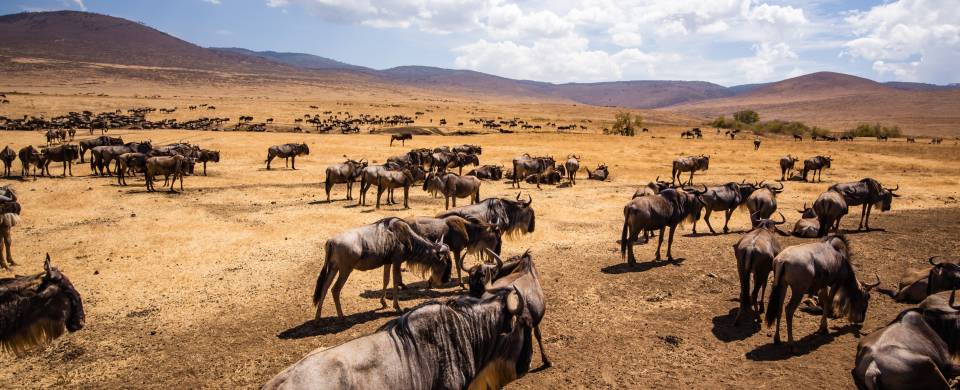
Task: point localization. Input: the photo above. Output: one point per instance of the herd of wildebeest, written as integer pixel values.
(483, 339)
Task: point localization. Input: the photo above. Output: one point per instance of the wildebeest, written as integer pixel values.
(64, 153)
(386, 243)
(808, 226)
(797, 137)
(550, 176)
(787, 164)
(29, 156)
(519, 273)
(86, 144)
(9, 217)
(755, 252)
(572, 166)
(7, 156)
(288, 152)
(55, 135)
(453, 186)
(459, 234)
(915, 351)
(470, 149)
(830, 208)
(174, 166)
(35, 309)
(652, 188)
(601, 173)
(511, 217)
(666, 209)
(345, 172)
(726, 198)
(102, 156)
(689, 164)
(389, 180)
(130, 163)
(823, 268)
(402, 137)
(466, 342)
(916, 284)
(206, 155)
(525, 165)
(461, 160)
(762, 202)
(816, 165)
(487, 172)
(867, 192)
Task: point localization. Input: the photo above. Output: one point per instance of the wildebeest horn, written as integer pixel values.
(777, 189)
(869, 286)
(497, 259)
(46, 265)
(440, 241)
(521, 304)
(782, 219)
(953, 297)
(895, 189)
(760, 184)
(529, 200)
(518, 196)
(931, 261)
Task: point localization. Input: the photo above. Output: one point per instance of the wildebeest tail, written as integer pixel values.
(777, 293)
(318, 291)
(623, 235)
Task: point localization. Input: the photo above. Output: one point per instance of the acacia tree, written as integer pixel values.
(747, 116)
(627, 124)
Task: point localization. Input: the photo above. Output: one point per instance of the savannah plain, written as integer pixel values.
(211, 287)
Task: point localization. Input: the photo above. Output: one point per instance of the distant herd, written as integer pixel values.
(483, 339)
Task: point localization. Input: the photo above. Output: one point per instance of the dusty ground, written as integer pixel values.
(211, 287)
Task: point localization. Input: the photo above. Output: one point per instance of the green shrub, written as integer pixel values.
(874, 130)
(747, 116)
(627, 124)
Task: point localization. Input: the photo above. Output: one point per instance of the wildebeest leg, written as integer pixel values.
(341, 280)
(836, 228)
(660, 242)
(454, 200)
(349, 190)
(269, 159)
(795, 298)
(543, 354)
(706, 218)
(866, 222)
(379, 193)
(5, 240)
(745, 301)
(406, 194)
(690, 180)
(726, 219)
(826, 304)
(670, 242)
(396, 286)
(783, 174)
(327, 185)
(458, 261)
(759, 285)
(446, 202)
(293, 162)
(386, 281)
(204, 168)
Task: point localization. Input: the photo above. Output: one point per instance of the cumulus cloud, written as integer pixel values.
(766, 60)
(913, 40)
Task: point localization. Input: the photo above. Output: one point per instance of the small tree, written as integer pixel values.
(627, 124)
(747, 116)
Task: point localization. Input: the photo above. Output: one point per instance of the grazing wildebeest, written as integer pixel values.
(823, 268)
(726, 198)
(7, 156)
(389, 180)
(787, 164)
(509, 216)
(518, 273)
(867, 192)
(86, 144)
(465, 342)
(9, 217)
(130, 163)
(459, 234)
(487, 172)
(816, 165)
(64, 153)
(29, 156)
(168, 166)
(525, 165)
(345, 172)
(386, 243)
(689, 164)
(755, 253)
(915, 351)
(288, 152)
(206, 156)
(402, 137)
(666, 209)
(601, 173)
(830, 208)
(572, 166)
(461, 160)
(762, 202)
(35, 309)
(808, 226)
(453, 186)
(470, 149)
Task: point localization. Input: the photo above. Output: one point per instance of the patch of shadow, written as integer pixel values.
(412, 291)
(330, 325)
(142, 313)
(623, 268)
(807, 344)
(725, 330)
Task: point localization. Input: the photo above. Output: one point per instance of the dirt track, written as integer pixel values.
(212, 287)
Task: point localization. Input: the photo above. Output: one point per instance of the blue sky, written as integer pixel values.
(724, 41)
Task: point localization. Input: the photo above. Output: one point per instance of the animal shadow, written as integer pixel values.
(413, 291)
(330, 325)
(623, 268)
(724, 329)
(803, 346)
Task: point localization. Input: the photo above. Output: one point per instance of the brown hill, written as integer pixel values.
(839, 102)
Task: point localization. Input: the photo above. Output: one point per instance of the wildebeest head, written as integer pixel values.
(522, 216)
(886, 197)
(303, 149)
(689, 203)
(826, 161)
(703, 162)
(212, 155)
(943, 276)
(52, 305)
(807, 212)
(853, 296)
(773, 226)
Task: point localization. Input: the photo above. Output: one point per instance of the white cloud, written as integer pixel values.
(912, 40)
(214, 2)
(80, 4)
(767, 58)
